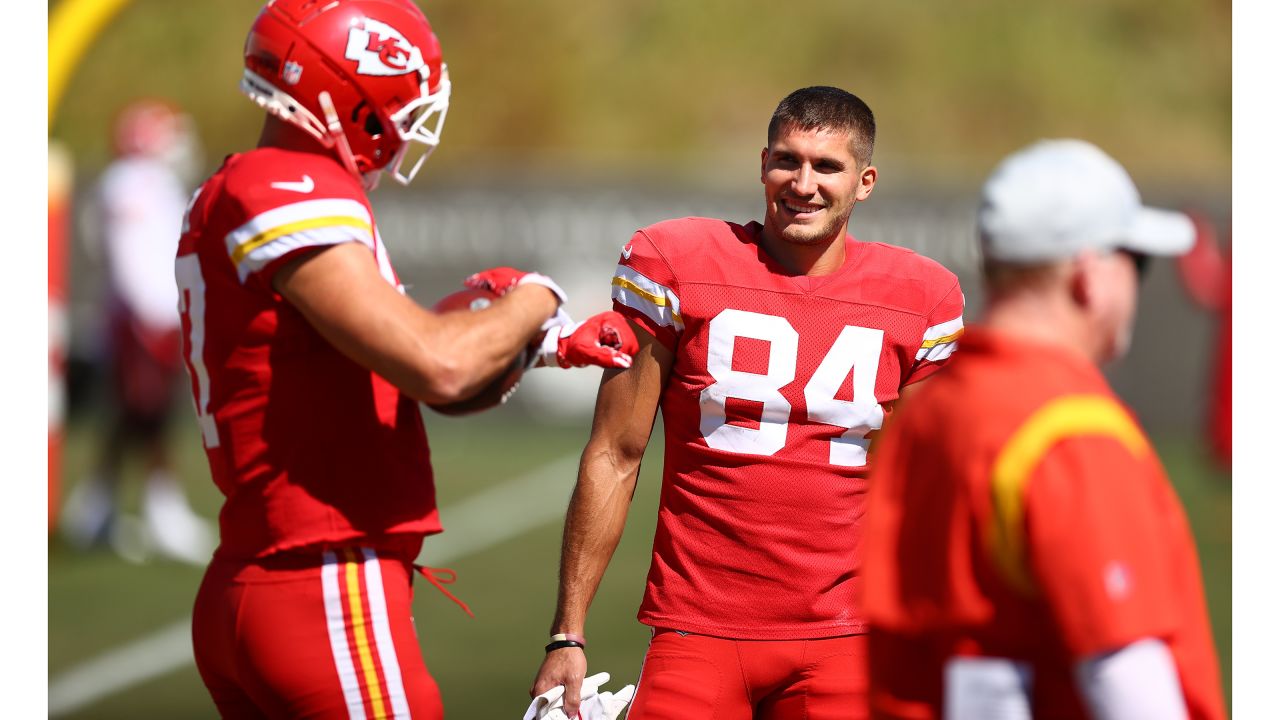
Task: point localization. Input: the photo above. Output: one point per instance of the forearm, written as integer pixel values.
(468, 350)
(593, 526)
(625, 410)
(430, 357)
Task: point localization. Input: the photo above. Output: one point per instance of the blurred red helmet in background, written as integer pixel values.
(148, 127)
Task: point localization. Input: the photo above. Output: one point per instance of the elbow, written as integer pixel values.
(629, 454)
(440, 380)
(621, 459)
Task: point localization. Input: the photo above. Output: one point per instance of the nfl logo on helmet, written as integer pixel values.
(292, 73)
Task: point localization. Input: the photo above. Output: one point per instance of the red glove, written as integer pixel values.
(501, 280)
(605, 340)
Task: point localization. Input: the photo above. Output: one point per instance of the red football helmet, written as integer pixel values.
(159, 130)
(363, 77)
(147, 127)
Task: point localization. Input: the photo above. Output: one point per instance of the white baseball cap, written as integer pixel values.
(1055, 198)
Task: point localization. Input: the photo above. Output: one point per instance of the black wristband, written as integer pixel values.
(558, 644)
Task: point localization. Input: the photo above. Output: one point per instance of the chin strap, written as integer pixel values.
(338, 136)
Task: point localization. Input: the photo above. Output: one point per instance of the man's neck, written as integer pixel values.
(815, 259)
(277, 133)
(1041, 319)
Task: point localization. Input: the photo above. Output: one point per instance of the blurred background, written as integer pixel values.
(570, 126)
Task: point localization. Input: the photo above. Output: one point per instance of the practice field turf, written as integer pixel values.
(99, 602)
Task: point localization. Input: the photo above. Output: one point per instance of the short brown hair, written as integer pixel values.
(828, 108)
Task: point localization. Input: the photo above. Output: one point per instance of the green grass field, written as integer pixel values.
(484, 665)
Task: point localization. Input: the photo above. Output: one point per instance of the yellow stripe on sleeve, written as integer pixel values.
(358, 623)
(1064, 418)
(942, 340)
(280, 231)
(658, 300)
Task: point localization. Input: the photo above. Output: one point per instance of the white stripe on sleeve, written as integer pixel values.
(1139, 680)
(658, 302)
(272, 234)
(258, 258)
(939, 341)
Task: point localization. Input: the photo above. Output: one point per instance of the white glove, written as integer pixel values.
(534, 278)
(603, 705)
(595, 705)
(561, 318)
(551, 701)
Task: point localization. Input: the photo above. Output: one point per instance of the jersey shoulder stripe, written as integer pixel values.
(940, 340)
(1070, 416)
(280, 230)
(654, 300)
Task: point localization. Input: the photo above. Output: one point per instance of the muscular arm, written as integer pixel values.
(625, 410)
(432, 358)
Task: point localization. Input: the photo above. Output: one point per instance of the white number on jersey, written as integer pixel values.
(857, 349)
(191, 305)
(186, 214)
(784, 344)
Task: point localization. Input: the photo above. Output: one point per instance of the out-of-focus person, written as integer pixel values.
(1206, 276)
(141, 197)
(1026, 554)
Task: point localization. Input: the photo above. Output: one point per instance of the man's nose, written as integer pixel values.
(803, 181)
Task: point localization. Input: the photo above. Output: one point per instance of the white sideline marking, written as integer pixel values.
(483, 520)
(125, 666)
(503, 512)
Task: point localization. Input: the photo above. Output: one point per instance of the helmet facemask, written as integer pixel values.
(419, 124)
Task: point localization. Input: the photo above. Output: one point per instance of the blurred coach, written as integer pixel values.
(1027, 556)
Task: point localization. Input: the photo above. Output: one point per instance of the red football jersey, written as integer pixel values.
(1019, 516)
(777, 384)
(309, 448)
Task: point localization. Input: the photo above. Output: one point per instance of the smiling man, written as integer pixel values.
(775, 350)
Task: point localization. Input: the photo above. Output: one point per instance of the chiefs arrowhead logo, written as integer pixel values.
(380, 49)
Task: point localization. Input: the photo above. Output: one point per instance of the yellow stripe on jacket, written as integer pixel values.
(1066, 417)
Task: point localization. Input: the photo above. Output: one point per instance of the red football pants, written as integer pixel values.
(697, 676)
(314, 635)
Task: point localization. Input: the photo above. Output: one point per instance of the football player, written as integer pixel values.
(141, 197)
(774, 350)
(1205, 271)
(308, 362)
(1027, 556)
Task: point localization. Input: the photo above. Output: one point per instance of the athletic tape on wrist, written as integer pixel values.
(569, 636)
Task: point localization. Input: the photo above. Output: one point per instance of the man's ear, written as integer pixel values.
(866, 183)
(1084, 278)
(764, 157)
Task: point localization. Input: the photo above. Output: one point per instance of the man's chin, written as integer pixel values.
(797, 234)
